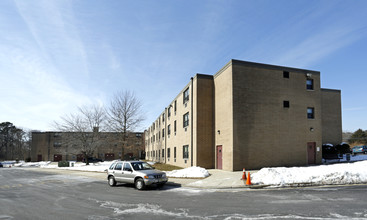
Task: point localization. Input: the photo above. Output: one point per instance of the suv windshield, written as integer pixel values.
(141, 166)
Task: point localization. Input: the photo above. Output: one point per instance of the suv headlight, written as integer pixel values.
(164, 175)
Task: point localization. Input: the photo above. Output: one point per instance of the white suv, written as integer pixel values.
(137, 172)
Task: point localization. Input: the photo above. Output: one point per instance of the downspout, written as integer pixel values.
(165, 135)
(192, 121)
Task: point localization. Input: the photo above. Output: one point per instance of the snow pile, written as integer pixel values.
(190, 172)
(347, 173)
(31, 164)
(92, 167)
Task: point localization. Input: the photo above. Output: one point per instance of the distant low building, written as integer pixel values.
(58, 146)
(247, 115)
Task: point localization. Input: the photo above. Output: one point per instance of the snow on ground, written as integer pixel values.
(190, 172)
(343, 173)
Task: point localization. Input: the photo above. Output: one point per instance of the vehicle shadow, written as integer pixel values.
(167, 186)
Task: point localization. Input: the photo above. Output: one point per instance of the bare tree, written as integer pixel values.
(124, 115)
(84, 129)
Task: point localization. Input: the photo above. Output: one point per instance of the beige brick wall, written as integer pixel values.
(266, 133)
(204, 122)
(223, 83)
(331, 115)
(174, 140)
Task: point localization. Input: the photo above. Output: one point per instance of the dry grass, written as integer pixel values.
(166, 167)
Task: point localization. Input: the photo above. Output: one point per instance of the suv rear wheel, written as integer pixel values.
(111, 181)
(139, 184)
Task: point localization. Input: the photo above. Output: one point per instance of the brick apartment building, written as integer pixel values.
(58, 146)
(247, 115)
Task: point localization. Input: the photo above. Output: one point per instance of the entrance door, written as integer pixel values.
(311, 152)
(109, 156)
(219, 157)
(39, 157)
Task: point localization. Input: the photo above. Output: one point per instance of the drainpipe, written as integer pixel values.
(192, 121)
(165, 135)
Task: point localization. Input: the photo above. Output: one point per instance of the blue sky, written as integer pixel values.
(57, 55)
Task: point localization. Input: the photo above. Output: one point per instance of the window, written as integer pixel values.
(138, 135)
(118, 166)
(286, 74)
(309, 84)
(169, 111)
(186, 151)
(286, 104)
(310, 113)
(168, 129)
(186, 120)
(127, 167)
(162, 153)
(174, 126)
(168, 152)
(186, 95)
(174, 152)
(163, 133)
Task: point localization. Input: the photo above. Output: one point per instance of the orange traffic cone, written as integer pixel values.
(248, 181)
(244, 174)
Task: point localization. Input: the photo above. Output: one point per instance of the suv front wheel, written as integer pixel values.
(139, 184)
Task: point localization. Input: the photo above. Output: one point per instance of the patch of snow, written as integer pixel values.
(346, 173)
(190, 172)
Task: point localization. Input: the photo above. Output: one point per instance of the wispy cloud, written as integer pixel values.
(36, 86)
(54, 29)
(319, 45)
(355, 109)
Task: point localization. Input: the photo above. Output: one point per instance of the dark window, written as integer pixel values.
(168, 152)
(285, 74)
(118, 166)
(163, 116)
(127, 167)
(163, 133)
(162, 153)
(186, 151)
(186, 95)
(309, 84)
(169, 111)
(174, 126)
(168, 129)
(310, 113)
(286, 104)
(186, 120)
(175, 105)
(174, 152)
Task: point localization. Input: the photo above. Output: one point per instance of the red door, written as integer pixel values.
(109, 156)
(219, 157)
(311, 152)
